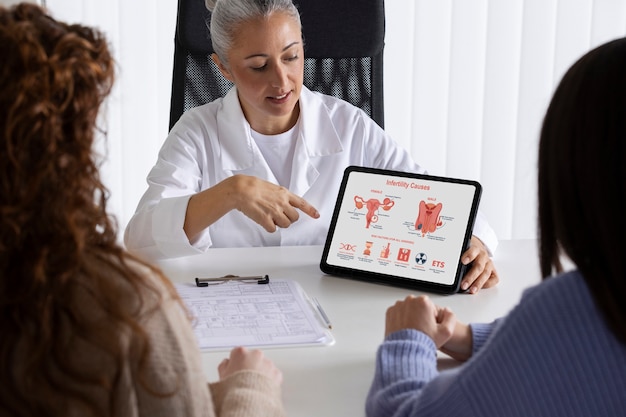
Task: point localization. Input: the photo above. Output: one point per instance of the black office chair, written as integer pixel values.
(343, 52)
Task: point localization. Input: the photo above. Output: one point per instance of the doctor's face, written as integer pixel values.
(266, 63)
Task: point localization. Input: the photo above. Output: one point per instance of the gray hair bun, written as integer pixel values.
(210, 4)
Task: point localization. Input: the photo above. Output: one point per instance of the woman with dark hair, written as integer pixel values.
(562, 350)
(87, 329)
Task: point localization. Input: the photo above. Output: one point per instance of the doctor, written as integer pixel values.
(262, 166)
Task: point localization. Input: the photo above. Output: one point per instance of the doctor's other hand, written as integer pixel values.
(420, 313)
(242, 359)
(482, 273)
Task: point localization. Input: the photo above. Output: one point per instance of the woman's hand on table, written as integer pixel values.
(420, 313)
(242, 359)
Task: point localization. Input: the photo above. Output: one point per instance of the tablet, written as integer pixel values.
(401, 229)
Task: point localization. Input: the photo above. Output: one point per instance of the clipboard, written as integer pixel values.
(237, 311)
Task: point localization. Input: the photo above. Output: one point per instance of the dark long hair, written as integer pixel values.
(55, 234)
(582, 178)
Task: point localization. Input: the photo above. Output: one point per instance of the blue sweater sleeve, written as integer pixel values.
(481, 332)
(552, 355)
(405, 362)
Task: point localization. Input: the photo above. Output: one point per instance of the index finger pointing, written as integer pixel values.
(304, 206)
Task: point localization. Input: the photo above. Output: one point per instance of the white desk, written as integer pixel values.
(333, 380)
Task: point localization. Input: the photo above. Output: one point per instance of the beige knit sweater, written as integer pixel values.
(174, 366)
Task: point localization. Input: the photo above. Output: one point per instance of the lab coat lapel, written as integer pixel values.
(238, 151)
(317, 138)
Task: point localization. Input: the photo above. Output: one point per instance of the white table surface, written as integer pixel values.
(333, 380)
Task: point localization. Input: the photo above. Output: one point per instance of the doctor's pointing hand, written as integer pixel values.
(268, 204)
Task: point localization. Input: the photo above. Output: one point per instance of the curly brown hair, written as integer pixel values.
(55, 233)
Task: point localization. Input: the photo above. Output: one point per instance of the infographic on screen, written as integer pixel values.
(409, 227)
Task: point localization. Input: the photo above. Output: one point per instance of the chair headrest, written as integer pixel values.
(332, 28)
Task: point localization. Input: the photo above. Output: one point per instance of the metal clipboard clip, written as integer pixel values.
(254, 279)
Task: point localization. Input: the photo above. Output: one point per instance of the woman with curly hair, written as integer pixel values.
(87, 329)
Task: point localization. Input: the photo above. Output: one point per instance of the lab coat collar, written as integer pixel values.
(317, 128)
(233, 134)
(238, 149)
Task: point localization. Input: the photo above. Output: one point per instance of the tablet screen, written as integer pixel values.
(401, 228)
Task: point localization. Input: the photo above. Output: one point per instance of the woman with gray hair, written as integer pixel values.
(240, 171)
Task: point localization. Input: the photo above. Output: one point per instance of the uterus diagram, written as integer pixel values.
(372, 205)
(428, 217)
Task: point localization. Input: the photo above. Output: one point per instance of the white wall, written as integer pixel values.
(142, 36)
(468, 82)
(466, 85)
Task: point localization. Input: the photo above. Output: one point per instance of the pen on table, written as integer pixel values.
(322, 313)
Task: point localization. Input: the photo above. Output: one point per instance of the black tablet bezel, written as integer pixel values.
(394, 280)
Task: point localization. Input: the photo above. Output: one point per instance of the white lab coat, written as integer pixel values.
(213, 142)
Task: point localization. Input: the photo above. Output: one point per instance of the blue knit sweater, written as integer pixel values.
(551, 356)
